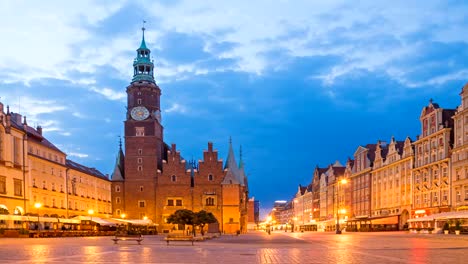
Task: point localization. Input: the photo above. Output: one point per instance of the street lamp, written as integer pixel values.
(38, 205)
(341, 182)
(91, 212)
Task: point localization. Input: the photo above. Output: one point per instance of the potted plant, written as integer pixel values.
(457, 227)
(446, 228)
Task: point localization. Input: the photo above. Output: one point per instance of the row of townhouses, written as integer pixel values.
(39, 185)
(389, 185)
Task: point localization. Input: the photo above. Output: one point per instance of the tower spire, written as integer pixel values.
(143, 43)
(143, 67)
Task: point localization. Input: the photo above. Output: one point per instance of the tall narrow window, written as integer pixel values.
(173, 178)
(140, 151)
(139, 101)
(210, 177)
(2, 185)
(209, 201)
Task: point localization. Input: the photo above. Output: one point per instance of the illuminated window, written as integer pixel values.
(18, 187)
(2, 184)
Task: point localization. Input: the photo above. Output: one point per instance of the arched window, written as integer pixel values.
(173, 178)
(210, 177)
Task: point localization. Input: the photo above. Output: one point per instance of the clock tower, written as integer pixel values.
(144, 145)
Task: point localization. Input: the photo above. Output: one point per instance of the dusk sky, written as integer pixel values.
(296, 83)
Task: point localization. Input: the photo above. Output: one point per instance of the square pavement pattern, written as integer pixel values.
(255, 247)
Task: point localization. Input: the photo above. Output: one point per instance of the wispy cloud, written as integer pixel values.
(176, 108)
(110, 93)
(78, 155)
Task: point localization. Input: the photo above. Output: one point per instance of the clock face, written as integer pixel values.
(139, 113)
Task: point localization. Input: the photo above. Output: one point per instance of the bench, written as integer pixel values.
(178, 238)
(137, 238)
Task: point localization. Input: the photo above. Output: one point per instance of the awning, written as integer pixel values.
(98, 220)
(28, 218)
(390, 220)
(442, 216)
(141, 222)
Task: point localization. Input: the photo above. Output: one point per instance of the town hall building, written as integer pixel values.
(151, 179)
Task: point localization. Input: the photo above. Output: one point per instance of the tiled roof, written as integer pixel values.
(371, 152)
(384, 151)
(447, 116)
(35, 136)
(338, 171)
(399, 145)
(92, 171)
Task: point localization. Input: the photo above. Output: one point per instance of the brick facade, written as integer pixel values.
(152, 180)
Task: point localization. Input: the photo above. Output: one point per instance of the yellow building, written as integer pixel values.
(48, 185)
(391, 184)
(12, 166)
(460, 154)
(431, 186)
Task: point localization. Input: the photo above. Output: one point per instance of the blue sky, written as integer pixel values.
(296, 83)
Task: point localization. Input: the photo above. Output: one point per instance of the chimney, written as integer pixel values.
(39, 130)
(210, 146)
(16, 118)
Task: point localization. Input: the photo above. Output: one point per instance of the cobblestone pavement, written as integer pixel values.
(256, 247)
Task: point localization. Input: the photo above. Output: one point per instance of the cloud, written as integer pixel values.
(110, 93)
(176, 108)
(33, 108)
(78, 155)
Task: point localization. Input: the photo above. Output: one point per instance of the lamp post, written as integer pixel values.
(341, 182)
(123, 217)
(91, 212)
(38, 205)
(146, 220)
